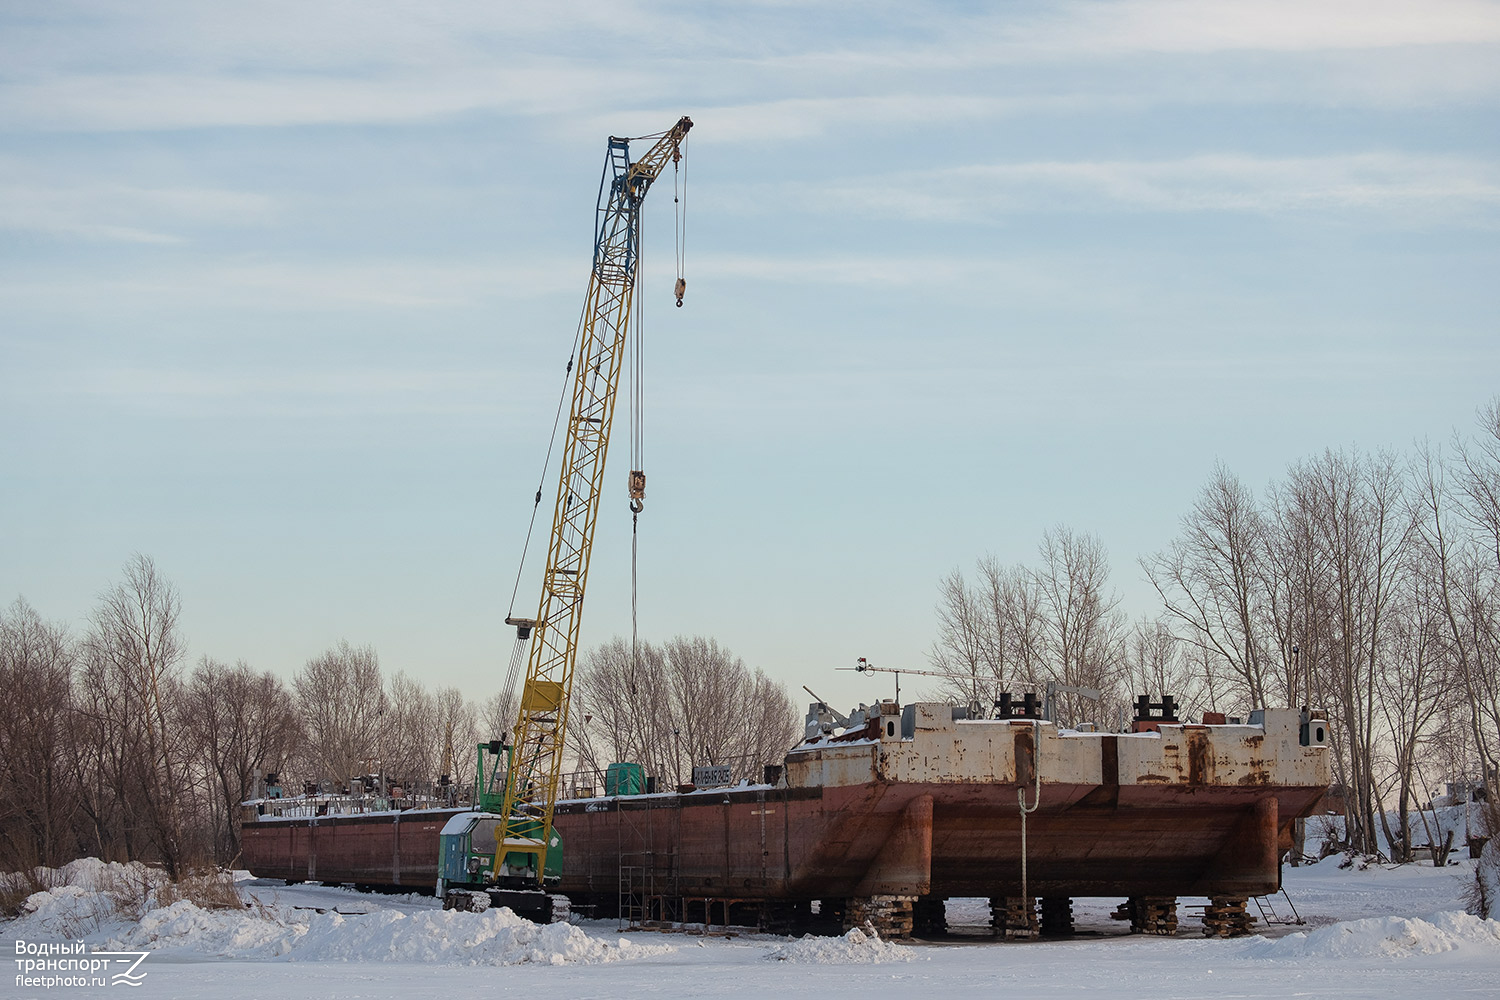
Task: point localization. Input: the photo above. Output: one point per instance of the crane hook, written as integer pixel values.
(637, 490)
(679, 290)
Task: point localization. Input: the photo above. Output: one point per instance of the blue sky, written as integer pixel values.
(286, 291)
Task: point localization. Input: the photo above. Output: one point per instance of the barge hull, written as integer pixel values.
(934, 810)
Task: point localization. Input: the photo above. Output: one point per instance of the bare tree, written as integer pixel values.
(458, 728)
(669, 707)
(990, 634)
(1296, 578)
(1157, 664)
(1210, 578)
(1083, 629)
(105, 762)
(135, 653)
(721, 711)
(1414, 682)
(969, 643)
(1478, 577)
(1362, 525)
(623, 701)
(240, 721)
(41, 798)
(341, 699)
(410, 732)
(768, 721)
(1459, 518)
(1016, 628)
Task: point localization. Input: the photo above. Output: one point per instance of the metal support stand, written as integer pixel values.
(1268, 914)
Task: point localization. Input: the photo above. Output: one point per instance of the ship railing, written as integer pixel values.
(586, 783)
(307, 806)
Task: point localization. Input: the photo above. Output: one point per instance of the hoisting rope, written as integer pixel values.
(1036, 768)
(637, 484)
(512, 673)
(551, 443)
(679, 222)
(637, 391)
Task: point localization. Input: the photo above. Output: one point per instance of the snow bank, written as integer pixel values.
(855, 947)
(85, 895)
(1386, 937)
(86, 904)
(89, 873)
(65, 913)
(184, 928)
(494, 937)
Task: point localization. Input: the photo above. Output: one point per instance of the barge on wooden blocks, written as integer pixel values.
(887, 816)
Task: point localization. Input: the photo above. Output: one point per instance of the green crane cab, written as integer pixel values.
(469, 842)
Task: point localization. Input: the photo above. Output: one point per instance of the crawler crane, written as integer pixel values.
(506, 856)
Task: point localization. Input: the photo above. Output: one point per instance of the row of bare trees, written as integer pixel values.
(1364, 584)
(114, 747)
(1015, 628)
(669, 707)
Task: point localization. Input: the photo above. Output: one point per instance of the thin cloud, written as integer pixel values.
(803, 117)
(1398, 188)
(277, 393)
(869, 270)
(187, 383)
(180, 66)
(1028, 34)
(111, 212)
(166, 101)
(416, 284)
(311, 284)
(1262, 25)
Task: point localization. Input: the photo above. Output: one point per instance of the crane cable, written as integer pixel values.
(1036, 768)
(637, 394)
(637, 453)
(679, 222)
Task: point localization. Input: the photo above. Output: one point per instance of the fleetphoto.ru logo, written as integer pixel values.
(49, 966)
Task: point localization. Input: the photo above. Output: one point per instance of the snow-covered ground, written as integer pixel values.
(1368, 933)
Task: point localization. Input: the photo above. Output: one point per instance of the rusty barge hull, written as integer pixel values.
(387, 850)
(930, 808)
(919, 840)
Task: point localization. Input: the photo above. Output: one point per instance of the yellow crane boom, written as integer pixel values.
(541, 723)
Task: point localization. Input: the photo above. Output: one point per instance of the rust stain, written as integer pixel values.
(1025, 755)
(1200, 758)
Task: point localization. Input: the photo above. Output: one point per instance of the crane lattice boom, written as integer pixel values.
(531, 784)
